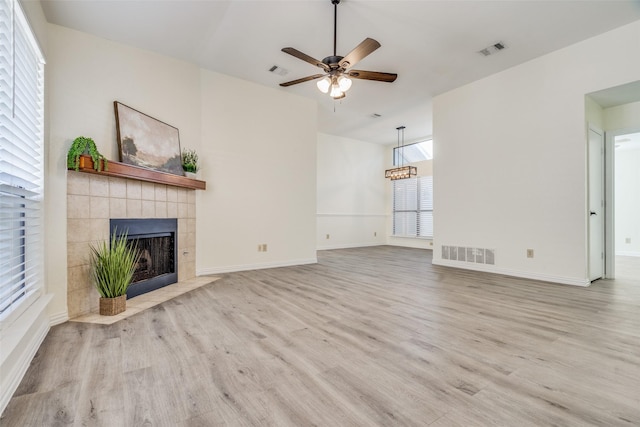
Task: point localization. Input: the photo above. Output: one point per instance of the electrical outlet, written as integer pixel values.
(627, 240)
(264, 247)
(327, 237)
(529, 253)
(259, 248)
(375, 234)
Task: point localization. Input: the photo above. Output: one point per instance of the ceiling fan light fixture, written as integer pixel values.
(324, 85)
(336, 92)
(344, 83)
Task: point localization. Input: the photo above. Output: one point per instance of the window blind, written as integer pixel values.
(425, 200)
(21, 160)
(413, 207)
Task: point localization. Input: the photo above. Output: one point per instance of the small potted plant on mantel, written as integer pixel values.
(83, 145)
(190, 163)
(112, 268)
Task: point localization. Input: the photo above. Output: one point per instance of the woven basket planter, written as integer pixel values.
(113, 306)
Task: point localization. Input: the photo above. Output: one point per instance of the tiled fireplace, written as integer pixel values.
(92, 200)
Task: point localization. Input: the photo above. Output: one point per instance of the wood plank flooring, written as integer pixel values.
(366, 337)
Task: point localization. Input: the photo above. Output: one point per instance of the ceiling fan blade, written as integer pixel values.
(295, 52)
(302, 80)
(356, 55)
(372, 75)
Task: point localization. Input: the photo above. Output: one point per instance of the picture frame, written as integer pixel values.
(147, 142)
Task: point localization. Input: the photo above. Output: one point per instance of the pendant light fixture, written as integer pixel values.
(401, 172)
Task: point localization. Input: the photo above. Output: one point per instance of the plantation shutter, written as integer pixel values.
(413, 207)
(405, 205)
(425, 223)
(21, 160)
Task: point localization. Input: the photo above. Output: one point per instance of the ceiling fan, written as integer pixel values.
(337, 69)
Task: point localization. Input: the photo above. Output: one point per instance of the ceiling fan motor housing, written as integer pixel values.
(333, 61)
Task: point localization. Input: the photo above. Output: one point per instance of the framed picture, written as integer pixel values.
(147, 142)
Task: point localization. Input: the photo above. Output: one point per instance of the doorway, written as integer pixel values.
(617, 111)
(626, 204)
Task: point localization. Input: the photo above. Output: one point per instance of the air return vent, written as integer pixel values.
(279, 70)
(467, 254)
(489, 50)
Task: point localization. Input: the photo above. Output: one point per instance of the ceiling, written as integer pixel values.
(627, 142)
(432, 45)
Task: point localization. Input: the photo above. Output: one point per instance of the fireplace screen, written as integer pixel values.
(156, 239)
(156, 257)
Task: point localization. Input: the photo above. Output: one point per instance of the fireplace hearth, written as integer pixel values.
(156, 239)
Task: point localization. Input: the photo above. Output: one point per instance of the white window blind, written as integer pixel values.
(21, 161)
(413, 207)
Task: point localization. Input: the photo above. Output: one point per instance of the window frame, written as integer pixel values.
(396, 153)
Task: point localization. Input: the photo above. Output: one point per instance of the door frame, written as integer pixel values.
(603, 235)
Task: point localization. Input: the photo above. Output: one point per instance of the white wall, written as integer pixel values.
(594, 113)
(627, 201)
(259, 161)
(620, 117)
(351, 193)
(510, 158)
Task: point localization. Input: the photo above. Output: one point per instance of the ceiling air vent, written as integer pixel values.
(496, 47)
(279, 70)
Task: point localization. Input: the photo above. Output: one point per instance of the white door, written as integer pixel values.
(596, 204)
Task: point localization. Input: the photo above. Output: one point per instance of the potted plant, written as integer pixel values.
(83, 145)
(112, 268)
(189, 163)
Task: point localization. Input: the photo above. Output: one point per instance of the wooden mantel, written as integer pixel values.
(124, 170)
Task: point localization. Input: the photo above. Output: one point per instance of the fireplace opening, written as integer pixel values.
(156, 240)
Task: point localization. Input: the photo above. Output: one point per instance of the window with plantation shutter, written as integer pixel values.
(413, 207)
(21, 162)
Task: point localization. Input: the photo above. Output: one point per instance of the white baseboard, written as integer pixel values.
(627, 253)
(32, 330)
(347, 246)
(58, 318)
(514, 273)
(258, 266)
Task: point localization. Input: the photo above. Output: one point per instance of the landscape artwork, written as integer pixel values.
(147, 142)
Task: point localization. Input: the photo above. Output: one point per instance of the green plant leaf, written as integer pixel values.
(112, 266)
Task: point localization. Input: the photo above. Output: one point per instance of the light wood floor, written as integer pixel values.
(627, 267)
(367, 337)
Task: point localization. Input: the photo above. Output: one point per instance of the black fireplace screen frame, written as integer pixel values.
(137, 228)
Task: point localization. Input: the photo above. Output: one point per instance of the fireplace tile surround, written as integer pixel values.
(93, 199)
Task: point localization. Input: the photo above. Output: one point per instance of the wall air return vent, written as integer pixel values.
(467, 254)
